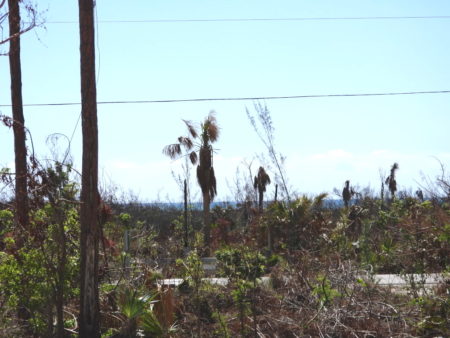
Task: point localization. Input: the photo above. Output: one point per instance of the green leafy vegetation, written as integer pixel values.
(289, 267)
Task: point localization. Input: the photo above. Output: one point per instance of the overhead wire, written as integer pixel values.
(361, 18)
(432, 17)
(250, 98)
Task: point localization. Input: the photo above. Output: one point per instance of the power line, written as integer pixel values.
(254, 98)
(361, 18)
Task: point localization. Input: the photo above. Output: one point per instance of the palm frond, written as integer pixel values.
(390, 180)
(186, 142)
(130, 304)
(393, 169)
(212, 117)
(347, 192)
(151, 325)
(263, 177)
(193, 157)
(213, 132)
(191, 128)
(202, 178)
(205, 157)
(205, 173)
(172, 150)
(212, 184)
(210, 128)
(262, 180)
(387, 180)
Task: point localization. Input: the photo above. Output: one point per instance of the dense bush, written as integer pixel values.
(320, 262)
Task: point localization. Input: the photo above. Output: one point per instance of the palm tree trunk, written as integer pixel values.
(207, 221)
(90, 234)
(261, 201)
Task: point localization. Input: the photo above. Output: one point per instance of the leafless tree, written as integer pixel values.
(382, 174)
(267, 137)
(33, 20)
(439, 187)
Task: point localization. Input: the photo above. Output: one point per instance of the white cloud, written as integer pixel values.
(332, 155)
(313, 173)
(309, 173)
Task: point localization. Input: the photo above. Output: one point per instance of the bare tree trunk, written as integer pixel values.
(261, 201)
(20, 149)
(207, 221)
(60, 270)
(90, 234)
(186, 228)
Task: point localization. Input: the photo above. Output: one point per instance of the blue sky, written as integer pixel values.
(325, 140)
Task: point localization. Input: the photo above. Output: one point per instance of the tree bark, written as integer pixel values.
(20, 149)
(186, 229)
(207, 222)
(261, 201)
(90, 234)
(60, 270)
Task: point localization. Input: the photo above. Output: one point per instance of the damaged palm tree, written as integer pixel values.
(260, 183)
(391, 182)
(201, 154)
(347, 193)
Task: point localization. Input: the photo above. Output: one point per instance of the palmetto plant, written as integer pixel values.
(390, 180)
(200, 153)
(139, 316)
(260, 183)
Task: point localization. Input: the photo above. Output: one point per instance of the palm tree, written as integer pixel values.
(201, 154)
(260, 183)
(391, 182)
(347, 193)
